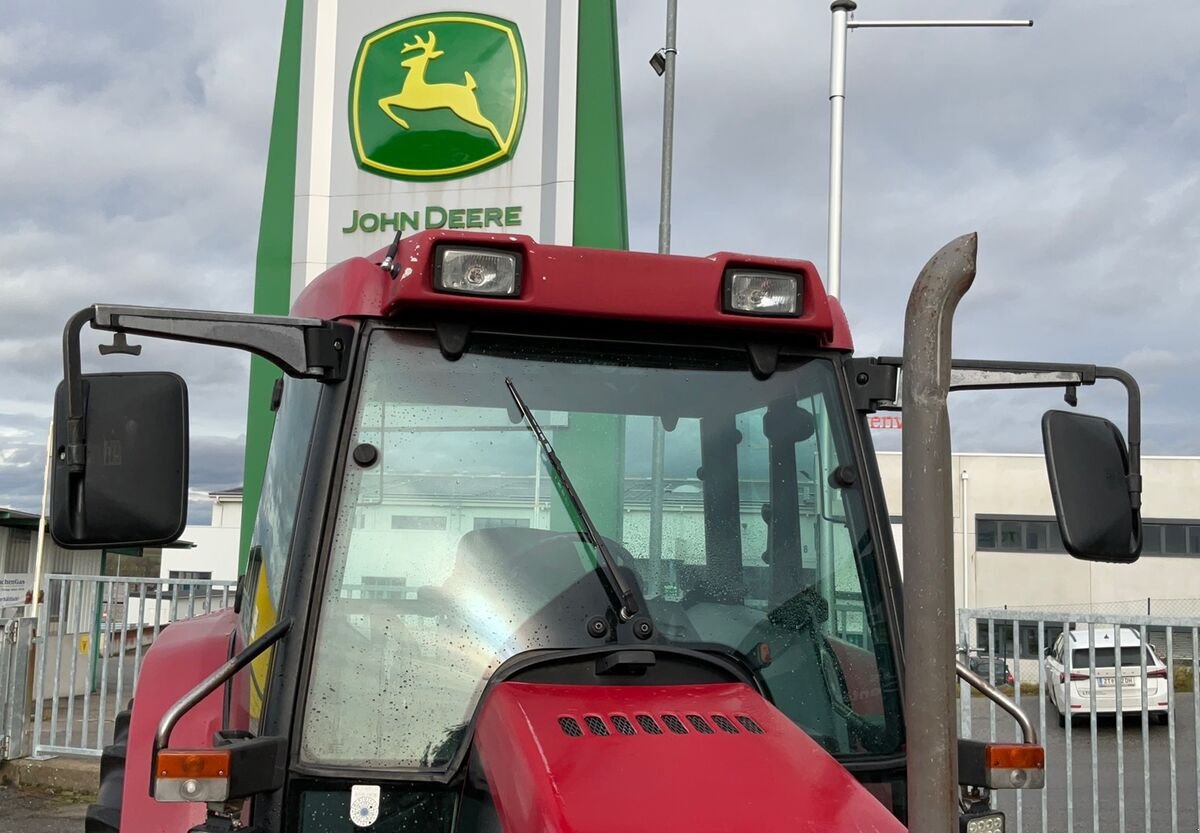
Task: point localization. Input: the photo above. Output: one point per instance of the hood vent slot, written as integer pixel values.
(621, 723)
(748, 724)
(596, 725)
(648, 725)
(724, 724)
(570, 726)
(699, 725)
(674, 724)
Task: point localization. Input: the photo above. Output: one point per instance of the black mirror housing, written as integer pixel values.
(1088, 465)
(131, 489)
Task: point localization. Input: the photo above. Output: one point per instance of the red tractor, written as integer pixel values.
(567, 540)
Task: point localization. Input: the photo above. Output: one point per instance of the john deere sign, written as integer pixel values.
(438, 96)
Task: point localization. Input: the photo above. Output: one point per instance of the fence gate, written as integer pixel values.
(1113, 698)
(16, 636)
(93, 633)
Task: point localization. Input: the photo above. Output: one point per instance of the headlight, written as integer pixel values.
(493, 272)
(752, 292)
(986, 823)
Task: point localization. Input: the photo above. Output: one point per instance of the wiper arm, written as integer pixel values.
(629, 605)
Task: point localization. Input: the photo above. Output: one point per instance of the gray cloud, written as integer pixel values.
(134, 140)
(131, 156)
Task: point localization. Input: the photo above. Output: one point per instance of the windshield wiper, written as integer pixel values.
(608, 565)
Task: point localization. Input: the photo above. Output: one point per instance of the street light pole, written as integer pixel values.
(842, 23)
(664, 64)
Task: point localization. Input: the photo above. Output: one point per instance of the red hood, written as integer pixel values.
(579, 759)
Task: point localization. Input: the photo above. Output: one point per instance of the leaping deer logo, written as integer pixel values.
(417, 94)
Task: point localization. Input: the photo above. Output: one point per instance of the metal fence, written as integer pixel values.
(1071, 674)
(92, 634)
(16, 636)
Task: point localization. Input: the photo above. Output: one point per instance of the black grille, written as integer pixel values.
(749, 725)
(674, 724)
(596, 725)
(724, 724)
(570, 727)
(622, 724)
(699, 725)
(648, 725)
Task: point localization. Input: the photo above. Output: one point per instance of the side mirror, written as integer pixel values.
(1088, 466)
(120, 473)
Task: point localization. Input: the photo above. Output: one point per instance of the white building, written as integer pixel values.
(214, 551)
(18, 560)
(1007, 549)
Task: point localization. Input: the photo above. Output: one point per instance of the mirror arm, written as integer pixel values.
(1135, 439)
(72, 375)
(306, 348)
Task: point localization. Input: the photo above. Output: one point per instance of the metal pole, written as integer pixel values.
(935, 24)
(41, 538)
(657, 478)
(929, 537)
(837, 104)
(966, 558)
(668, 133)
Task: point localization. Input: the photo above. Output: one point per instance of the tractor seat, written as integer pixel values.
(530, 587)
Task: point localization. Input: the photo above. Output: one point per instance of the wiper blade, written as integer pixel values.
(617, 583)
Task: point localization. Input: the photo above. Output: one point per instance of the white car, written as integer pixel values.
(1070, 690)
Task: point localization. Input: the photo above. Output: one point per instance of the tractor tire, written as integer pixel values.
(105, 815)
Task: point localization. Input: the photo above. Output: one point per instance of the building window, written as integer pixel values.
(418, 521)
(498, 523)
(183, 583)
(1002, 639)
(384, 587)
(1007, 533)
(191, 575)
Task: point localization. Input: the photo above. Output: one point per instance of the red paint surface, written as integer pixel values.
(544, 780)
(184, 653)
(577, 283)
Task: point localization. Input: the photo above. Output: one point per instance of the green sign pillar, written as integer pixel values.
(273, 267)
(349, 153)
(600, 223)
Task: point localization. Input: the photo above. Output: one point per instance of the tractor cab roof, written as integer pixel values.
(578, 283)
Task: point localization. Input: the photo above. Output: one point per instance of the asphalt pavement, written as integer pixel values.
(25, 810)
(1102, 812)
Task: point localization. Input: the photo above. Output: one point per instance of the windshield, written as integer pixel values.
(731, 505)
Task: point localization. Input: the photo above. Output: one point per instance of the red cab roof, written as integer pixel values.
(570, 282)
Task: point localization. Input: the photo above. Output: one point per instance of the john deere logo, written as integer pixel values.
(438, 96)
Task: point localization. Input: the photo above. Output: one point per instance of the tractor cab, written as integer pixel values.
(537, 523)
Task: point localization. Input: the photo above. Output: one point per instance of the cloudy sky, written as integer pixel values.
(133, 142)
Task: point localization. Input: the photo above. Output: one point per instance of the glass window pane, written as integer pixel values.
(1056, 543)
(1037, 536)
(1194, 540)
(985, 534)
(1010, 535)
(471, 552)
(1175, 536)
(1152, 539)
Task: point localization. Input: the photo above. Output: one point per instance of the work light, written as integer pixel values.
(985, 823)
(477, 271)
(754, 292)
